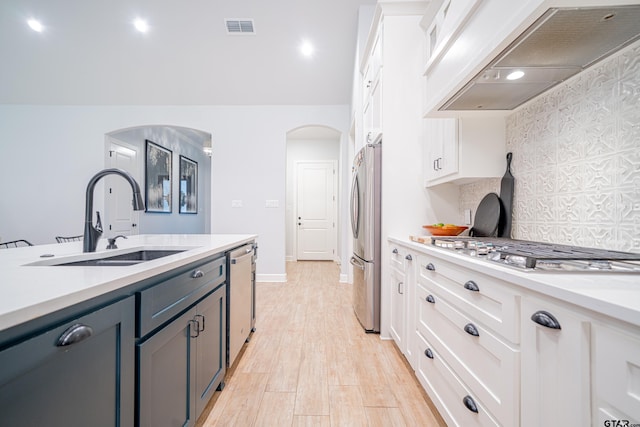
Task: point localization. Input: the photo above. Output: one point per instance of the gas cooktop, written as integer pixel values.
(539, 256)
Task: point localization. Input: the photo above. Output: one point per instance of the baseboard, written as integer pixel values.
(277, 278)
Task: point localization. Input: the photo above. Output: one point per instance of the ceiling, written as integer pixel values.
(90, 54)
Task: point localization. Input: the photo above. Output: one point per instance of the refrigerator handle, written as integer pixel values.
(356, 263)
(354, 206)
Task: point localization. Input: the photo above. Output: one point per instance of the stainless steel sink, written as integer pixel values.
(130, 258)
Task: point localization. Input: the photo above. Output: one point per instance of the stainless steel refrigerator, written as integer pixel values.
(365, 225)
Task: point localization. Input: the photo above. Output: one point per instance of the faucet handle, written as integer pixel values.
(98, 226)
(112, 241)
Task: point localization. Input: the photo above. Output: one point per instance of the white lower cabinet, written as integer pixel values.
(490, 352)
(616, 375)
(456, 403)
(479, 356)
(555, 364)
(402, 288)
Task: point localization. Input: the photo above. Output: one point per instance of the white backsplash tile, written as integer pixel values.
(576, 160)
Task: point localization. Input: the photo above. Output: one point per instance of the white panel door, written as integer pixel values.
(316, 206)
(120, 218)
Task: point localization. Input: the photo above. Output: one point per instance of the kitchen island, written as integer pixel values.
(137, 344)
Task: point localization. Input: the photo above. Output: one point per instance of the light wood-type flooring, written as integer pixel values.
(310, 363)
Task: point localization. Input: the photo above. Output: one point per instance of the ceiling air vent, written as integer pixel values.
(239, 26)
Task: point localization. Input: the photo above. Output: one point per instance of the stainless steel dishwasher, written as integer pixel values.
(240, 299)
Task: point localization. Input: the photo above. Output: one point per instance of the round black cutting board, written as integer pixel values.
(485, 223)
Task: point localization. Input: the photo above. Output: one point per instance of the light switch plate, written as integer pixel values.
(271, 204)
(236, 203)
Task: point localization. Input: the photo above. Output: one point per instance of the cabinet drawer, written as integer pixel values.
(160, 303)
(397, 256)
(492, 304)
(80, 373)
(616, 364)
(487, 365)
(446, 390)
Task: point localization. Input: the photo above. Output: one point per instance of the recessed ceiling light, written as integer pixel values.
(515, 75)
(307, 49)
(35, 25)
(141, 25)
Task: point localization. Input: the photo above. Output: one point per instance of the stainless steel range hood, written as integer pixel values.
(561, 43)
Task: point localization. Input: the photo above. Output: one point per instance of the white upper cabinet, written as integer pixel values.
(447, 23)
(463, 150)
(372, 91)
(463, 36)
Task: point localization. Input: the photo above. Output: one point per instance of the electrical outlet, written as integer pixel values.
(271, 204)
(236, 203)
(467, 217)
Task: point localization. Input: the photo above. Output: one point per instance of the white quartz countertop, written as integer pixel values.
(616, 295)
(30, 291)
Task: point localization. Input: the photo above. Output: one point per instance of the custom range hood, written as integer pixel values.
(561, 43)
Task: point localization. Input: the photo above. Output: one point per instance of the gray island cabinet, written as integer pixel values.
(87, 380)
(149, 351)
(181, 363)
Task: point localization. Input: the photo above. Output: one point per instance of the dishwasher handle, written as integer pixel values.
(241, 258)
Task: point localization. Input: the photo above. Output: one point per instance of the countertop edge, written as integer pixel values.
(115, 278)
(584, 293)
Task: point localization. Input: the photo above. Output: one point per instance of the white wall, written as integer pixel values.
(49, 153)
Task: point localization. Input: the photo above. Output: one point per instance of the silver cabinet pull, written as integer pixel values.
(408, 257)
(546, 319)
(430, 299)
(195, 328)
(203, 326)
(394, 251)
(399, 288)
(431, 267)
(470, 404)
(197, 274)
(428, 353)
(74, 334)
(471, 286)
(471, 329)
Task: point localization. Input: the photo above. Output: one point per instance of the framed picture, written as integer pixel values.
(188, 186)
(157, 178)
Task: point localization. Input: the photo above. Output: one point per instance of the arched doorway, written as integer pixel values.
(126, 149)
(312, 193)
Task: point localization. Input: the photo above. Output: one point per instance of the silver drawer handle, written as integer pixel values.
(546, 319)
(470, 404)
(74, 334)
(431, 299)
(197, 274)
(471, 329)
(471, 286)
(394, 251)
(431, 267)
(408, 257)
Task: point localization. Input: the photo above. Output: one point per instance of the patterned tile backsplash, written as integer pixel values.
(576, 160)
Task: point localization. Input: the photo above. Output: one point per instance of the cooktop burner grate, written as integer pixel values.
(542, 256)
